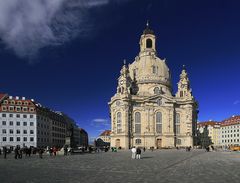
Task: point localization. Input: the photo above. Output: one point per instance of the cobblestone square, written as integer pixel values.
(157, 166)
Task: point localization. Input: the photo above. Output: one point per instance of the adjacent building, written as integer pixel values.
(219, 134)
(230, 131)
(208, 133)
(105, 136)
(25, 122)
(144, 111)
(83, 138)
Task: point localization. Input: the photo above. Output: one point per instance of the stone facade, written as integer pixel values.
(144, 112)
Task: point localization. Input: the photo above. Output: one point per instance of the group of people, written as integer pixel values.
(136, 153)
(18, 151)
(5, 151)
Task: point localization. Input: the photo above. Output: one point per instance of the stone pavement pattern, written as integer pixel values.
(158, 166)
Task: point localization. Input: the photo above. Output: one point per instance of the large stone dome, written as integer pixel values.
(150, 69)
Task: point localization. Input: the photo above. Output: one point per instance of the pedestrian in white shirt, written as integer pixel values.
(133, 152)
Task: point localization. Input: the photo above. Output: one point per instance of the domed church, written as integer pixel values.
(144, 111)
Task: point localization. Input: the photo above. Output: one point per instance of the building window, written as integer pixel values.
(31, 139)
(4, 139)
(10, 115)
(10, 123)
(3, 122)
(31, 123)
(154, 70)
(24, 116)
(18, 123)
(24, 123)
(25, 103)
(119, 122)
(18, 109)
(177, 123)
(4, 108)
(18, 131)
(5, 102)
(18, 139)
(159, 122)
(4, 115)
(11, 108)
(31, 132)
(24, 139)
(137, 122)
(178, 142)
(18, 115)
(138, 141)
(149, 43)
(31, 116)
(11, 131)
(11, 139)
(4, 131)
(24, 131)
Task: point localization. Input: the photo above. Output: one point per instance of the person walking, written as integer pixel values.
(40, 153)
(16, 154)
(5, 152)
(65, 150)
(54, 151)
(138, 153)
(133, 152)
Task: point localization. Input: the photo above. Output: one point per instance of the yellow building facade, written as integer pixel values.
(144, 112)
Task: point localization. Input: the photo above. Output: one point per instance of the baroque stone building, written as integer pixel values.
(144, 112)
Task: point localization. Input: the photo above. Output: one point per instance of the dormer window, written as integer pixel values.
(156, 91)
(149, 43)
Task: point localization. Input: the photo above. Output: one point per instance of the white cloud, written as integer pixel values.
(100, 122)
(236, 102)
(26, 26)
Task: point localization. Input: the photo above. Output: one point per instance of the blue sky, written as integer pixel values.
(68, 54)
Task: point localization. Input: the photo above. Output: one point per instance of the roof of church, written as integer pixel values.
(106, 133)
(147, 30)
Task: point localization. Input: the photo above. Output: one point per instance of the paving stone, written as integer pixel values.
(157, 166)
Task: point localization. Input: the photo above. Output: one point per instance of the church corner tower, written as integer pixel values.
(184, 90)
(144, 112)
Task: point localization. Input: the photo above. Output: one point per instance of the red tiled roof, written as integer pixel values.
(106, 133)
(231, 121)
(2, 95)
(208, 123)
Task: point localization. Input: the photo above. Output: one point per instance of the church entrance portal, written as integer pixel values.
(159, 143)
(117, 143)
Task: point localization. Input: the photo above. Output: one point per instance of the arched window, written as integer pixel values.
(156, 91)
(119, 122)
(154, 69)
(181, 93)
(177, 123)
(137, 122)
(149, 43)
(138, 141)
(159, 122)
